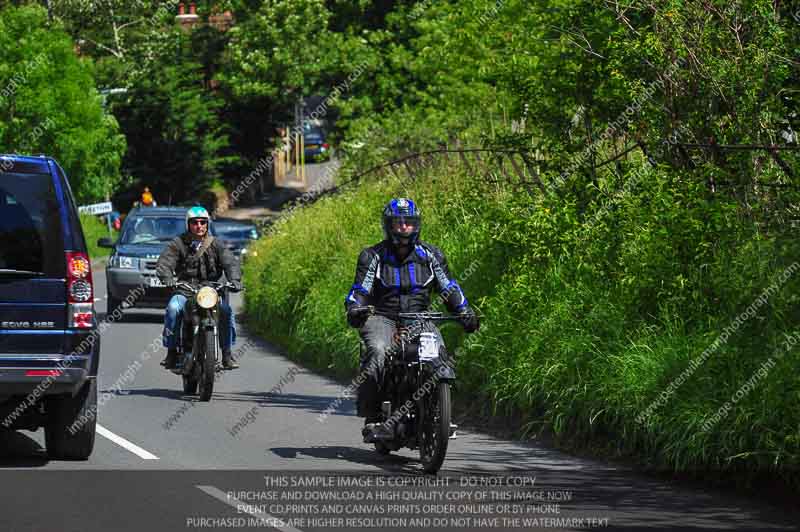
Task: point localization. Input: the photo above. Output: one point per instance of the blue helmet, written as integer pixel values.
(401, 222)
(196, 212)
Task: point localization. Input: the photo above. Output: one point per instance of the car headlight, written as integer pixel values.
(207, 297)
(123, 262)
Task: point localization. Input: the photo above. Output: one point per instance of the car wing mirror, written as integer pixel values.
(105, 242)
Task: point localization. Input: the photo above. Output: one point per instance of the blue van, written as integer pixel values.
(49, 341)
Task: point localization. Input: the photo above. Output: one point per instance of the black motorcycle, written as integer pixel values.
(416, 390)
(198, 341)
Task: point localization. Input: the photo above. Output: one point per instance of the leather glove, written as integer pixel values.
(236, 286)
(469, 320)
(357, 316)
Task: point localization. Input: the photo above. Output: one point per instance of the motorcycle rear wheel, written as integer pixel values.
(209, 366)
(435, 429)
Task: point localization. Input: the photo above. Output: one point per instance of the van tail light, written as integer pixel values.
(43, 373)
(80, 291)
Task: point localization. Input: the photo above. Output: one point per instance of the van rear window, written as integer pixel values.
(31, 236)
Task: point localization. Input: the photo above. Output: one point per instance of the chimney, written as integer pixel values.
(187, 20)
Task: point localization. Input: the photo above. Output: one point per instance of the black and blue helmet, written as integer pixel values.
(401, 222)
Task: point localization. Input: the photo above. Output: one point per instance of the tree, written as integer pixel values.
(280, 52)
(176, 141)
(48, 103)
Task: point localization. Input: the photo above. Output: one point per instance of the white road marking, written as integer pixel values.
(122, 442)
(97, 299)
(274, 522)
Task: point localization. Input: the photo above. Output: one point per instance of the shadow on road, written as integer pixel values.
(629, 500)
(163, 393)
(315, 404)
(19, 450)
(391, 463)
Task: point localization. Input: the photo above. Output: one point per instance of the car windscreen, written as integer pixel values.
(237, 233)
(31, 236)
(152, 229)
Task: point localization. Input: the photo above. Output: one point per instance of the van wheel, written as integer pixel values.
(78, 413)
(112, 305)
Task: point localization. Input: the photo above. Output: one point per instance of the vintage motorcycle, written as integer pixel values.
(416, 389)
(198, 341)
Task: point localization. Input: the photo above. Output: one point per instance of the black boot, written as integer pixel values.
(171, 360)
(227, 360)
(375, 430)
(369, 423)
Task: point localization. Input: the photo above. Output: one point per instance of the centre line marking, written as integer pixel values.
(122, 442)
(274, 522)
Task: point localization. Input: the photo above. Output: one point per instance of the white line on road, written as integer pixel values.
(122, 442)
(268, 520)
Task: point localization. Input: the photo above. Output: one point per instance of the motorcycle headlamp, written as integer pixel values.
(207, 297)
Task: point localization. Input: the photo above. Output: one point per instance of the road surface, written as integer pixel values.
(164, 461)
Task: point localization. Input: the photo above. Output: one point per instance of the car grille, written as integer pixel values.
(150, 265)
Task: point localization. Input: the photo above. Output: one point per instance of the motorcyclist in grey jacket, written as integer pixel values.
(193, 257)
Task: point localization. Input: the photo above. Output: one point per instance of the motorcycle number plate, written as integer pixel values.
(428, 346)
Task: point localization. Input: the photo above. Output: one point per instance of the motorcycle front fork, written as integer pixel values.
(198, 328)
(387, 411)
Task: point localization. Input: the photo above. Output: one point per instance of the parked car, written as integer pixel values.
(238, 236)
(145, 233)
(316, 145)
(49, 342)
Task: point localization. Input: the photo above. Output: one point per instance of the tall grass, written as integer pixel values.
(94, 229)
(587, 320)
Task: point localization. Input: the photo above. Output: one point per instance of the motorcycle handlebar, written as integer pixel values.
(429, 316)
(214, 284)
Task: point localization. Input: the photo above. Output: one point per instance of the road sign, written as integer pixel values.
(97, 208)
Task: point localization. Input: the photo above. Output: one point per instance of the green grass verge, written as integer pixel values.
(93, 229)
(627, 325)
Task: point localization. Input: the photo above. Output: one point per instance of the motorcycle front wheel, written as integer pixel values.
(189, 385)
(209, 366)
(435, 429)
